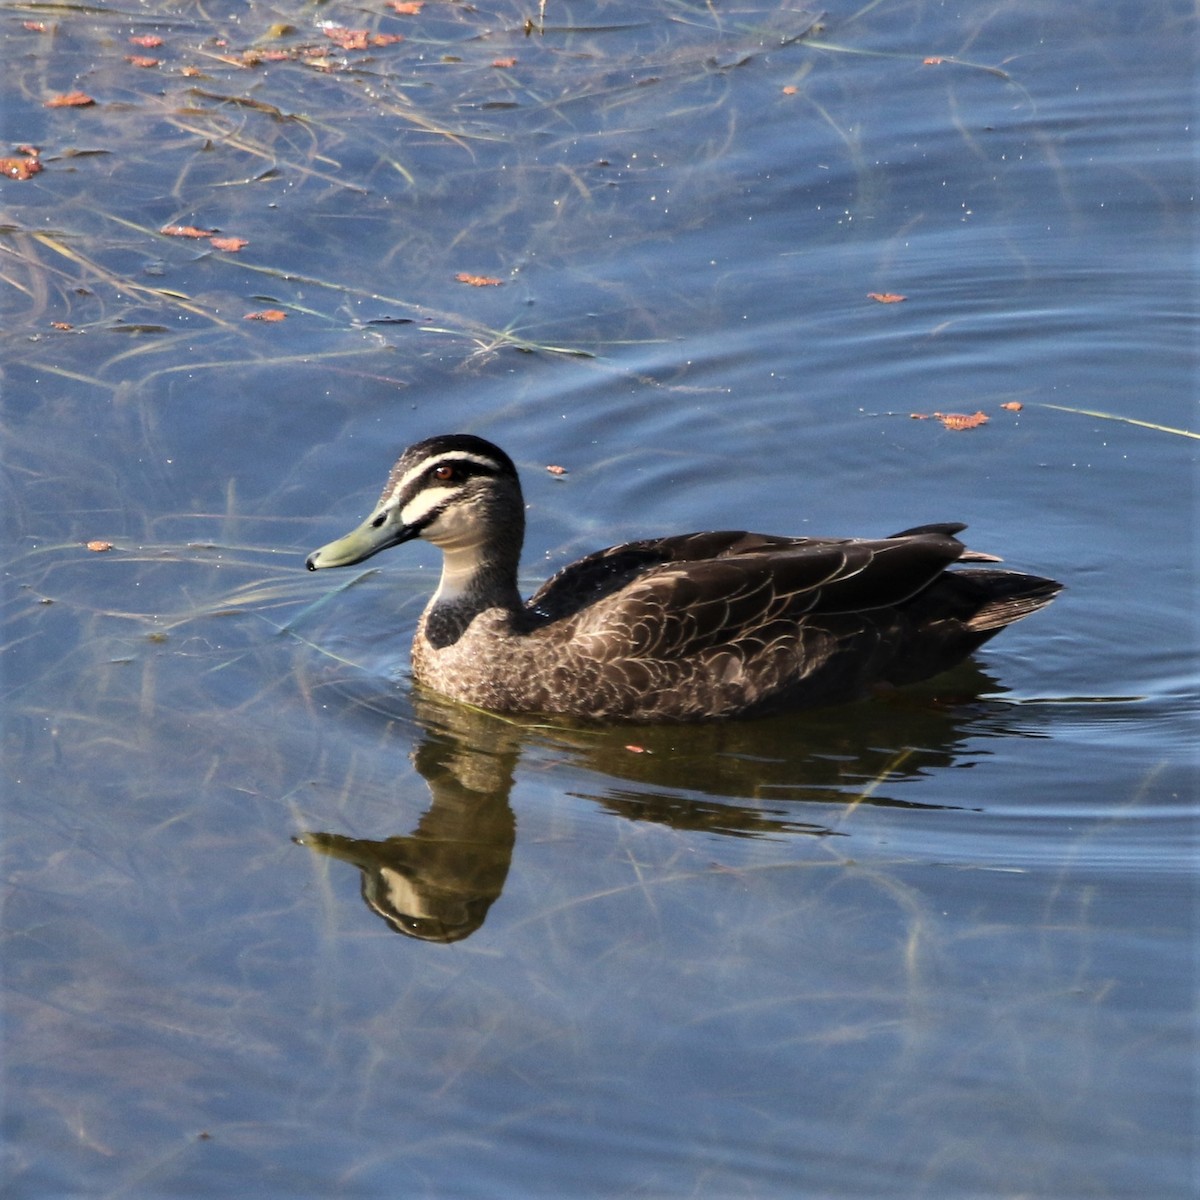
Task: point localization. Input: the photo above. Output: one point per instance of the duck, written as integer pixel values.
(689, 627)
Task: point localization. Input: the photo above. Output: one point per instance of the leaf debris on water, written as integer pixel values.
(954, 420)
(886, 297)
(70, 100)
(478, 280)
(24, 167)
(266, 314)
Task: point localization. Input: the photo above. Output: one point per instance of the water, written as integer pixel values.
(939, 945)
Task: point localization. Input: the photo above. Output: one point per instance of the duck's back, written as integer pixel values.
(733, 623)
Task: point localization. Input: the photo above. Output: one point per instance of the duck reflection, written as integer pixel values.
(438, 882)
(742, 779)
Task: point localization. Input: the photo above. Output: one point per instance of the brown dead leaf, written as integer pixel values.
(99, 547)
(962, 420)
(556, 470)
(34, 26)
(933, 60)
(147, 41)
(504, 63)
(229, 244)
(140, 60)
(188, 231)
(1013, 405)
(267, 314)
(478, 280)
(348, 39)
(20, 168)
(65, 325)
(886, 297)
(70, 100)
(386, 39)
(407, 8)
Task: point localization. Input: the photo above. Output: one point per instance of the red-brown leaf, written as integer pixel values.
(962, 420)
(70, 100)
(348, 39)
(19, 168)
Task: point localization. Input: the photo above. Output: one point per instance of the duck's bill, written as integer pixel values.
(360, 544)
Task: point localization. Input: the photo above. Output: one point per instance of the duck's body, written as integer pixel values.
(684, 628)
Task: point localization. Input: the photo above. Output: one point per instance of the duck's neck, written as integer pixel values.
(470, 584)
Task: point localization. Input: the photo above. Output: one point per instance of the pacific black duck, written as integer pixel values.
(683, 628)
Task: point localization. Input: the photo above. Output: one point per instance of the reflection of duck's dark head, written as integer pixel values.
(393, 887)
(678, 628)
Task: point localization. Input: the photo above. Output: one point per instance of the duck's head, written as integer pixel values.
(458, 491)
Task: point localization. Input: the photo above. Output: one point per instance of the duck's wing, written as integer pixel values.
(591, 578)
(685, 605)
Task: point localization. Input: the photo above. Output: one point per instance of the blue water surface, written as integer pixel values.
(942, 944)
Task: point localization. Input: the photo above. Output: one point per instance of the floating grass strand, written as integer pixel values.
(1107, 416)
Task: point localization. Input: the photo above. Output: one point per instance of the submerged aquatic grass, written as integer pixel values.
(930, 945)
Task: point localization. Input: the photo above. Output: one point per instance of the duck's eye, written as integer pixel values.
(445, 473)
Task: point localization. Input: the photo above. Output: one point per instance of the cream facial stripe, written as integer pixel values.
(423, 504)
(416, 472)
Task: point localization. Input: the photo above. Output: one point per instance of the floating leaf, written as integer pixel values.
(348, 39)
(140, 60)
(34, 26)
(954, 420)
(932, 61)
(230, 244)
(267, 314)
(886, 297)
(61, 325)
(556, 470)
(99, 547)
(147, 41)
(407, 8)
(70, 100)
(504, 62)
(478, 280)
(187, 231)
(962, 420)
(790, 90)
(1013, 405)
(20, 168)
